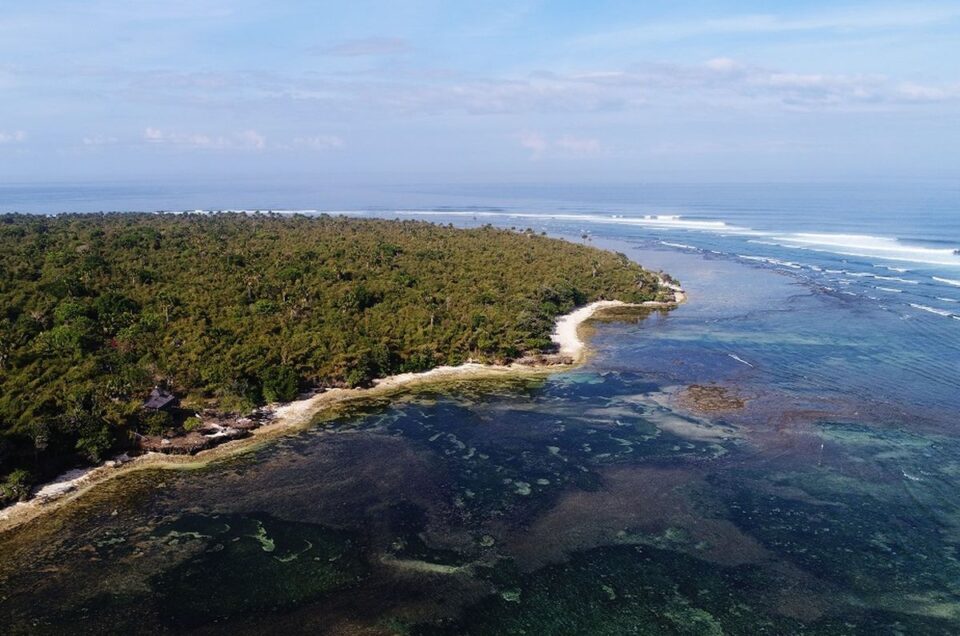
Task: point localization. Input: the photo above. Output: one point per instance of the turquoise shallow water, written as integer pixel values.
(590, 502)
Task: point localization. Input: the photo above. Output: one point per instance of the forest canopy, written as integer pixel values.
(229, 311)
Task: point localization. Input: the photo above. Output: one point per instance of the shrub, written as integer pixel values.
(357, 377)
(61, 339)
(265, 307)
(280, 384)
(95, 441)
(69, 310)
(16, 487)
(154, 422)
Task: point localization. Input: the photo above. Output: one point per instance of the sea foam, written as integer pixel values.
(859, 245)
(948, 281)
(868, 246)
(932, 310)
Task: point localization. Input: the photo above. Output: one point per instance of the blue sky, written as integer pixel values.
(479, 91)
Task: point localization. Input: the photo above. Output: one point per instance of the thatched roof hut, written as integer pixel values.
(160, 400)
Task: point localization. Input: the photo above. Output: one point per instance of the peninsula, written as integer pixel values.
(119, 329)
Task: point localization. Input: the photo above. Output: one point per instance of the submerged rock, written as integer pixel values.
(545, 360)
(710, 399)
(192, 442)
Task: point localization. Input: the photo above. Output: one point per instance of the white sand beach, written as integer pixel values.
(566, 334)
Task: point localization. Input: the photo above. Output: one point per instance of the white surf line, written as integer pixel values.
(932, 310)
(858, 245)
(739, 359)
(897, 279)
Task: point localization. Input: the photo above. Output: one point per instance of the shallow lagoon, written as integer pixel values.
(583, 503)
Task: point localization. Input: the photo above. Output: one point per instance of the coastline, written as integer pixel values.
(283, 418)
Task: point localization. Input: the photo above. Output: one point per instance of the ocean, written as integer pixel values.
(778, 455)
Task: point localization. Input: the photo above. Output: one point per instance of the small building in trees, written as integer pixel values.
(161, 400)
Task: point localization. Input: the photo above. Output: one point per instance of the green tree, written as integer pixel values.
(280, 384)
(235, 310)
(16, 486)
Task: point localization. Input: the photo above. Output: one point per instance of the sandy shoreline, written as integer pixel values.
(566, 333)
(299, 413)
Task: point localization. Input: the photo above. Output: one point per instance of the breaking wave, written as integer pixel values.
(932, 310)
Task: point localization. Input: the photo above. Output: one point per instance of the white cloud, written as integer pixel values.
(244, 140)
(253, 139)
(319, 142)
(857, 19)
(722, 82)
(99, 140)
(534, 142)
(924, 93)
(154, 135)
(702, 147)
(578, 145)
(723, 65)
(247, 139)
(12, 137)
(562, 146)
(367, 46)
(719, 82)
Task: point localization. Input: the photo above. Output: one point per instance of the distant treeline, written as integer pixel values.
(230, 311)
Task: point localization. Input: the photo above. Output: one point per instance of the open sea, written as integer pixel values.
(779, 455)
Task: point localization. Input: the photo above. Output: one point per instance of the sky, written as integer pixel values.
(441, 91)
